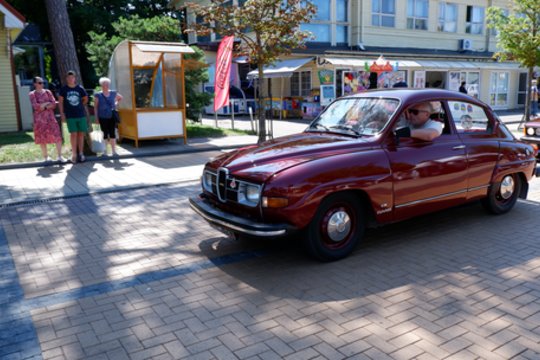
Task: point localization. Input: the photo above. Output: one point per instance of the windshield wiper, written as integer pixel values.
(346, 128)
(318, 125)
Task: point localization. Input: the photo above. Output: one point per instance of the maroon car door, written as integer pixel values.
(477, 131)
(427, 175)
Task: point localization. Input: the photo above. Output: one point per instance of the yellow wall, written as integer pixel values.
(401, 37)
(8, 114)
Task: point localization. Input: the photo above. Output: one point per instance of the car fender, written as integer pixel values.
(366, 173)
(517, 158)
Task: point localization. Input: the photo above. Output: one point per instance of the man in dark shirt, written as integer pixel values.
(463, 88)
(72, 102)
(400, 83)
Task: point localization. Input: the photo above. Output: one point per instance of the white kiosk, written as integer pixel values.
(150, 77)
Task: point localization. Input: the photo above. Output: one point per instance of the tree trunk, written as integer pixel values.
(64, 47)
(62, 39)
(262, 111)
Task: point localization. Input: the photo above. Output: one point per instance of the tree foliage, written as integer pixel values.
(518, 35)
(267, 29)
(196, 100)
(91, 16)
(158, 28)
(101, 45)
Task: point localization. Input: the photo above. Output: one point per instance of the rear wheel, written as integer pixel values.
(337, 227)
(502, 196)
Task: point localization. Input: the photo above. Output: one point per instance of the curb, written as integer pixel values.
(188, 150)
(34, 201)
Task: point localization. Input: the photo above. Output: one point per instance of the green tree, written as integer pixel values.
(267, 29)
(193, 77)
(101, 45)
(158, 28)
(518, 36)
(91, 15)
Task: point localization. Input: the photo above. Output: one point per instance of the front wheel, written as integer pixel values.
(337, 227)
(502, 196)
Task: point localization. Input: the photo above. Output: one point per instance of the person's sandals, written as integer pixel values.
(82, 158)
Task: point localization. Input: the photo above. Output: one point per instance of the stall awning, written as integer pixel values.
(241, 60)
(361, 63)
(424, 64)
(284, 68)
(18, 50)
(168, 48)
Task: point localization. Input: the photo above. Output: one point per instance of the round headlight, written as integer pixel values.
(207, 179)
(538, 131)
(252, 194)
(530, 131)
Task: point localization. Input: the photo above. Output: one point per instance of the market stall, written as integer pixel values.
(150, 77)
(289, 106)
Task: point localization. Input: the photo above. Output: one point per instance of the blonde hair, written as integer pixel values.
(104, 80)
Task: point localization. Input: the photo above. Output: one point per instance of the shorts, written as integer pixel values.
(77, 125)
(108, 127)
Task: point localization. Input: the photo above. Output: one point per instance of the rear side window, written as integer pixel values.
(469, 118)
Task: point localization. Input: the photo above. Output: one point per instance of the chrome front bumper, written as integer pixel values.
(232, 223)
(530, 139)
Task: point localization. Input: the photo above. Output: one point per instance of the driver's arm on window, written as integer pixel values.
(425, 134)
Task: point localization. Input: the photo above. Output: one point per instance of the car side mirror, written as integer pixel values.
(402, 132)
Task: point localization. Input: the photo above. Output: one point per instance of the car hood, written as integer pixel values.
(533, 124)
(259, 162)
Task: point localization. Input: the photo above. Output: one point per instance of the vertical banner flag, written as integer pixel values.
(223, 69)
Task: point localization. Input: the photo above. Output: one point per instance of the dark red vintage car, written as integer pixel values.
(531, 132)
(354, 167)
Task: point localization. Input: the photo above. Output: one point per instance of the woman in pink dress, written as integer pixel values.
(46, 129)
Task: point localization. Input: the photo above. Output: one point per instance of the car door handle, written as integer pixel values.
(459, 147)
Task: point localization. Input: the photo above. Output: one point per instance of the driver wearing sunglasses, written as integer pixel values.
(419, 123)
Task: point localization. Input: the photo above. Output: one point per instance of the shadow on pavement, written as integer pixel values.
(116, 164)
(48, 171)
(414, 253)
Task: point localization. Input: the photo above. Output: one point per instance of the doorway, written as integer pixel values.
(436, 79)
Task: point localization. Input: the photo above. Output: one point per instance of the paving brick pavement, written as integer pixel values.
(137, 275)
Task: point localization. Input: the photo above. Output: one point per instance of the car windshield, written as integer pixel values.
(356, 116)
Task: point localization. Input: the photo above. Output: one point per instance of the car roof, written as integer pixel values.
(411, 96)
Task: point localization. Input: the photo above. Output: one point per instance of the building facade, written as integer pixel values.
(11, 24)
(425, 43)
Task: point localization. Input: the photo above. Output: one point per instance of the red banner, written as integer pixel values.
(223, 70)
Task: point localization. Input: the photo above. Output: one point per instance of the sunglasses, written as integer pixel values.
(417, 111)
(39, 82)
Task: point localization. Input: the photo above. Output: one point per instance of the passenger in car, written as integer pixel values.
(419, 124)
(466, 122)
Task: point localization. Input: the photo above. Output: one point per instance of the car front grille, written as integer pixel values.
(221, 188)
(224, 186)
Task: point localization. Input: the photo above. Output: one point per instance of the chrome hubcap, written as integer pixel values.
(507, 187)
(339, 226)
